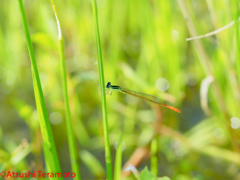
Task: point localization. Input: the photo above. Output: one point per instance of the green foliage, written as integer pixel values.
(43, 95)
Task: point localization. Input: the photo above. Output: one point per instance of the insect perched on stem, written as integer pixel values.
(146, 97)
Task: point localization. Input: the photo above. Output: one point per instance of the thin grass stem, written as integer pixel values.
(71, 140)
(102, 87)
(118, 160)
(154, 161)
(237, 43)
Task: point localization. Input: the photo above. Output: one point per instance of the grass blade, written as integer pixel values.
(237, 42)
(71, 140)
(154, 161)
(49, 148)
(102, 87)
(118, 160)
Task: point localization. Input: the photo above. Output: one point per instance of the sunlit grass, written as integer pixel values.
(71, 139)
(108, 160)
(142, 42)
(118, 159)
(49, 148)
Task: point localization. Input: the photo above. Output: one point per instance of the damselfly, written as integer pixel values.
(146, 97)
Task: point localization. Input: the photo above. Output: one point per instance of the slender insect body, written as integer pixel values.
(144, 96)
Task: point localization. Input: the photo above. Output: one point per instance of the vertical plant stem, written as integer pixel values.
(71, 140)
(237, 42)
(102, 87)
(118, 160)
(49, 148)
(154, 162)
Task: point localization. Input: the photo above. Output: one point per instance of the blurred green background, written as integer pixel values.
(144, 49)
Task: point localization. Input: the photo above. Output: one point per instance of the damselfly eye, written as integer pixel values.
(108, 84)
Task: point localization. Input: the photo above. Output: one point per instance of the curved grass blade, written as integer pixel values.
(49, 148)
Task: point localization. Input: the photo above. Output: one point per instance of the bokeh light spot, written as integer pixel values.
(162, 84)
(191, 79)
(55, 118)
(235, 122)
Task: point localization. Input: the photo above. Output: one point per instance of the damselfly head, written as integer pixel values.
(108, 85)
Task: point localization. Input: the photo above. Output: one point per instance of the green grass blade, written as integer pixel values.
(102, 87)
(71, 140)
(154, 162)
(237, 42)
(49, 148)
(118, 160)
